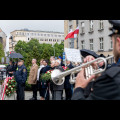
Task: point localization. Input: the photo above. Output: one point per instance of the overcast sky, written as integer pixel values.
(45, 25)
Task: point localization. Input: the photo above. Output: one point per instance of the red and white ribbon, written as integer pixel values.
(4, 87)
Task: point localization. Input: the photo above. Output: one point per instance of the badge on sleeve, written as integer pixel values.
(24, 70)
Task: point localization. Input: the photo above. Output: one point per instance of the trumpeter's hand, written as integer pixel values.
(81, 81)
(94, 64)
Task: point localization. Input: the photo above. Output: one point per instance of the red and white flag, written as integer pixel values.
(73, 34)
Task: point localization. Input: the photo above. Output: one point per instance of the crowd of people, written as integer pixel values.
(45, 88)
(106, 85)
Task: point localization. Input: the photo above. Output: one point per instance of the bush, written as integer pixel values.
(28, 86)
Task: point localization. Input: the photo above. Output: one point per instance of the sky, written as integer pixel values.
(8, 26)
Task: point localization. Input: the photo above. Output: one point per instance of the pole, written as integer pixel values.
(54, 51)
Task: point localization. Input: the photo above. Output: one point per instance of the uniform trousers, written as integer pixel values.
(20, 91)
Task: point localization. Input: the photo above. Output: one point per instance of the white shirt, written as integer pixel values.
(41, 66)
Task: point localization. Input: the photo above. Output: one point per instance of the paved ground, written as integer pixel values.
(28, 95)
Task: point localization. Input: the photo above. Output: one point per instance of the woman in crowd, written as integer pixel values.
(43, 84)
(58, 89)
(10, 69)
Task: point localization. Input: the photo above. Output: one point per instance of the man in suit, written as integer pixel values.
(68, 87)
(33, 78)
(44, 88)
(107, 85)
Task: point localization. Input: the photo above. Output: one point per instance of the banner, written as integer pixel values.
(73, 55)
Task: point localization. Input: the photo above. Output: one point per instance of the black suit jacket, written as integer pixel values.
(67, 84)
(43, 71)
(106, 87)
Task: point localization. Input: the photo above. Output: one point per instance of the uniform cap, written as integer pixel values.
(115, 27)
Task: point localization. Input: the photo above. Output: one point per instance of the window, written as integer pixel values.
(71, 43)
(82, 27)
(101, 43)
(59, 35)
(91, 44)
(70, 28)
(22, 33)
(101, 24)
(83, 44)
(91, 25)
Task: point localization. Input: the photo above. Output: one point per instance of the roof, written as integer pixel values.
(27, 30)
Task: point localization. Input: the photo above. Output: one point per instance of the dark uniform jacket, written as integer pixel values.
(21, 74)
(67, 79)
(106, 87)
(43, 84)
(58, 87)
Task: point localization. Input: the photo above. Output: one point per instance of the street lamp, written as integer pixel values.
(54, 49)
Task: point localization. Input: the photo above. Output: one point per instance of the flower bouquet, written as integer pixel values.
(10, 87)
(46, 76)
(65, 68)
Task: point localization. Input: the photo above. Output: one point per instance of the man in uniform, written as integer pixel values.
(20, 77)
(107, 86)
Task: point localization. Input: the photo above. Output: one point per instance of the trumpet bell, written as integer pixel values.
(55, 77)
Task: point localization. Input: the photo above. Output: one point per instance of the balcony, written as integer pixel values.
(91, 31)
(101, 50)
(82, 33)
(101, 29)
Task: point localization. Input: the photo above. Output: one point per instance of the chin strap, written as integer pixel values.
(118, 39)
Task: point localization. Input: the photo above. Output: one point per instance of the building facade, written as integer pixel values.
(26, 35)
(3, 38)
(70, 25)
(93, 35)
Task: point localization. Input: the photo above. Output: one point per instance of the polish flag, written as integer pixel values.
(73, 34)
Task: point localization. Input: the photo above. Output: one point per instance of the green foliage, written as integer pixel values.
(33, 49)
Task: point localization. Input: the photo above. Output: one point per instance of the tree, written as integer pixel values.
(2, 54)
(59, 48)
(33, 49)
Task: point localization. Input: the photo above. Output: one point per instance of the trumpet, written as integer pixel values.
(58, 77)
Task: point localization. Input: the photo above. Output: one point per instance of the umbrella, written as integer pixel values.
(85, 52)
(15, 55)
